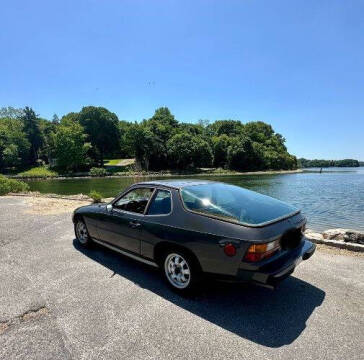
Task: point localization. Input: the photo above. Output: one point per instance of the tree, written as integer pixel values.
(220, 147)
(225, 127)
(241, 155)
(102, 128)
(70, 147)
(193, 129)
(160, 142)
(10, 112)
(126, 141)
(258, 131)
(327, 163)
(48, 130)
(55, 119)
(186, 150)
(163, 126)
(69, 118)
(144, 144)
(14, 145)
(33, 132)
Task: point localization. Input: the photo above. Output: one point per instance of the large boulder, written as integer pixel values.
(312, 235)
(334, 234)
(346, 235)
(354, 236)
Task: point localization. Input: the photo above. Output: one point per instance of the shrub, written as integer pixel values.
(95, 196)
(98, 171)
(11, 185)
(38, 172)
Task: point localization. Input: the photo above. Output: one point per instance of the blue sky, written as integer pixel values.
(298, 65)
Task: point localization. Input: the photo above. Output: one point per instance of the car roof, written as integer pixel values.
(176, 183)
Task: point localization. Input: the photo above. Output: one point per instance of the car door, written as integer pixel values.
(122, 223)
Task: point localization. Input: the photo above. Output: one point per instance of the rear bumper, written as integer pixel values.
(273, 272)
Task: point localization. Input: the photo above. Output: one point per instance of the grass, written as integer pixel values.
(11, 185)
(119, 162)
(38, 172)
(112, 162)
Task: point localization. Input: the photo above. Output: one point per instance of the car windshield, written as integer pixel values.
(233, 203)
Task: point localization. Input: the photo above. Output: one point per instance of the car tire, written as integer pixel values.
(181, 271)
(82, 234)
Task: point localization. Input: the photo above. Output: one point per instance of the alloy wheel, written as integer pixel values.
(177, 271)
(81, 232)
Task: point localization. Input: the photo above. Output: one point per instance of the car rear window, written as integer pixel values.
(233, 203)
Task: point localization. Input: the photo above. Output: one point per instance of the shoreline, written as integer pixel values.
(341, 239)
(161, 174)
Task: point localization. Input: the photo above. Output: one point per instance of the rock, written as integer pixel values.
(346, 235)
(344, 239)
(310, 234)
(334, 234)
(354, 236)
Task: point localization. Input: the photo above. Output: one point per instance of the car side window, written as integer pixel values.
(135, 200)
(161, 204)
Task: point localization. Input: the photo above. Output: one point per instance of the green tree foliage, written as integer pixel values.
(32, 130)
(271, 152)
(102, 128)
(69, 118)
(14, 145)
(55, 119)
(328, 163)
(48, 130)
(225, 127)
(144, 143)
(186, 150)
(70, 147)
(241, 154)
(10, 112)
(82, 139)
(126, 140)
(159, 129)
(220, 145)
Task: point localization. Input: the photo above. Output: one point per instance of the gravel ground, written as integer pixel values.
(58, 301)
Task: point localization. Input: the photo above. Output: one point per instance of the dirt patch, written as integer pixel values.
(49, 206)
(337, 251)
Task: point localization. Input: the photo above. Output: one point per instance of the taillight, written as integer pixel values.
(257, 252)
(230, 249)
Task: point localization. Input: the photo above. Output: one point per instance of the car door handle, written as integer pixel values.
(134, 224)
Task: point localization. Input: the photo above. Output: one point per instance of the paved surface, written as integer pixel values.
(58, 301)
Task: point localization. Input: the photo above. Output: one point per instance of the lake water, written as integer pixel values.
(334, 198)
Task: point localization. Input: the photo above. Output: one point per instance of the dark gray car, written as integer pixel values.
(194, 228)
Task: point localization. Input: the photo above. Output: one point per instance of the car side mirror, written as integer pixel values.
(109, 207)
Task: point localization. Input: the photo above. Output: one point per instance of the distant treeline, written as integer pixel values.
(80, 140)
(304, 163)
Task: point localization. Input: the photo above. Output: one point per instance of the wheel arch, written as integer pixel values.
(161, 248)
(77, 217)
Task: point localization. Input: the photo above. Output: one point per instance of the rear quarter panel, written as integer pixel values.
(202, 235)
